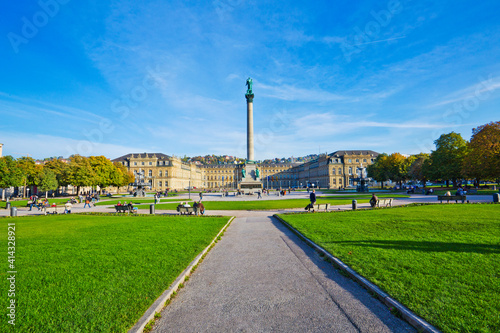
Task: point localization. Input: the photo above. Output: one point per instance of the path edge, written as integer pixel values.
(417, 322)
(159, 304)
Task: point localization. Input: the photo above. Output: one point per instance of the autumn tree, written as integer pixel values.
(416, 170)
(104, 171)
(483, 158)
(122, 176)
(378, 170)
(81, 172)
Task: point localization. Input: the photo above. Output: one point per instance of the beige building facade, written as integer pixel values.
(335, 170)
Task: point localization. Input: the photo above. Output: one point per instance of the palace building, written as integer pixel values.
(335, 170)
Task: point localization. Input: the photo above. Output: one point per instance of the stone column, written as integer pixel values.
(250, 155)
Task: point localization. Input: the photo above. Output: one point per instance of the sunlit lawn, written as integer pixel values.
(95, 273)
(442, 261)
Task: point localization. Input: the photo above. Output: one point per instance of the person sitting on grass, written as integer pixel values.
(373, 200)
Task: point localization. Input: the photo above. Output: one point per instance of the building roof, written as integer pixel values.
(339, 153)
(141, 155)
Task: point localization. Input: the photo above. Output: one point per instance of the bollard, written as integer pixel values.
(7, 205)
(354, 205)
(496, 197)
(13, 211)
(152, 209)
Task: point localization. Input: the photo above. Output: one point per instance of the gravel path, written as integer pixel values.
(261, 278)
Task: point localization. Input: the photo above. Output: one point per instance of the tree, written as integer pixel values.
(103, 170)
(30, 171)
(60, 169)
(416, 170)
(122, 176)
(378, 170)
(483, 158)
(447, 160)
(397, 167)
(10, 174)
(81, 172)
(47, 181)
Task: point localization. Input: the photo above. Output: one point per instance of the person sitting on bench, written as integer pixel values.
(131, 207)
(373, 200)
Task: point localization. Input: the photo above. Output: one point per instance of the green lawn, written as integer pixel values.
(22, 203)
(441, 261)
(273, 204)
(97, 273)
(134, 201)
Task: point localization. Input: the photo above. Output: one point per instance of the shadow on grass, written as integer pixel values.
(424, 246)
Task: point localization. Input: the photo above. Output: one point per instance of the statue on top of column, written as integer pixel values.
(249, 85)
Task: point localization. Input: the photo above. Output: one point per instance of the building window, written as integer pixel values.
(159, 183)
(357, 161)
(166, 174)
(350, 170)
(135, 163)
(340, 171)
(150, 173)
(142, 163)
(150, 163)
(350, 161)
(364, 161)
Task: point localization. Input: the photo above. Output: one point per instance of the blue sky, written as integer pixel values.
(117, 77)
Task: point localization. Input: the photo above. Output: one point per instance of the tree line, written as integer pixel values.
(453, 160)
(80, 171)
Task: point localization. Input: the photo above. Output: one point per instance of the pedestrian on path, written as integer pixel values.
(259, 196)
(87, 202)
(312, 198)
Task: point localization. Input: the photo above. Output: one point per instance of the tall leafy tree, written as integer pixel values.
(379, 169)
(397, 167)
(61, 169)
(447, 160)
(416, 170)
(483, 158)
(103, 170)
(81, 172)
(47, 181)
(10, 174)
(122, 176)
(30, 171)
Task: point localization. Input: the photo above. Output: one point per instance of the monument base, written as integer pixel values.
(251, 183)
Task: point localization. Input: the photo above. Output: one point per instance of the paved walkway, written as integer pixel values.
(262, 278)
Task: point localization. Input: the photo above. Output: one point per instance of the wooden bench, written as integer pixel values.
(452, 197)
(319, 207)
(187, 210)
(53, 210)
(124, 209)
(387, 202)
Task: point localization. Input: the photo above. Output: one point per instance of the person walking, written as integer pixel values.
(87, 202)
(201, 196)
(312, 198)
(259, 196)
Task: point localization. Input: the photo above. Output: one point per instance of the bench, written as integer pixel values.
(384, 202)
(452, 197)
(187, 210)
(53, 210)
(124, 209)
(316, 207)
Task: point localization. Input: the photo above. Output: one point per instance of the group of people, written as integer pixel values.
(197, 205)
(129, 205)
